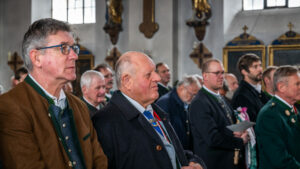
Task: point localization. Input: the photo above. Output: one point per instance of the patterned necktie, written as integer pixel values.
(153, 122)
(226, 108)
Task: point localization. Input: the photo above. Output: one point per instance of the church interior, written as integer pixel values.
(180, 33)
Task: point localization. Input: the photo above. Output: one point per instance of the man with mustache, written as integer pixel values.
(92, 85)
(134, 132)
(249, 93)
(108, 75)
(41, 126)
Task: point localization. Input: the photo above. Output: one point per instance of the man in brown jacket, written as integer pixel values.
(40, 125)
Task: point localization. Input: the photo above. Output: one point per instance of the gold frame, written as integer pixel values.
(272, 48)
(249, 48)
(82, 58)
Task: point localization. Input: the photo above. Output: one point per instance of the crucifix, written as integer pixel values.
(112, 57)
(245, 28)
(290, 25)
(14, 61)
(148, 26)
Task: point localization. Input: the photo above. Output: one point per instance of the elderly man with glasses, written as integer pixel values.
(209, 115)
(176, 103)
(41, 126)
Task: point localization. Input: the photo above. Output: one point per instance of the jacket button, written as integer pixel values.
(158, 147)
(70, 164)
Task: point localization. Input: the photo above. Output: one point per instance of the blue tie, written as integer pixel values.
(153, 122)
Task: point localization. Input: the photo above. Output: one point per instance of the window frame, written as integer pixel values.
(83, 12)
(271, 7)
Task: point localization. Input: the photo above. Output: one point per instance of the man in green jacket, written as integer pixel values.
(278, 125)
(41, 126)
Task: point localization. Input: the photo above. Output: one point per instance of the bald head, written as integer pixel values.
(231, 81)
(128, 63)
(136, 77)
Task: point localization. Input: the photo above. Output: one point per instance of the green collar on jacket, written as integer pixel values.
(56, 123)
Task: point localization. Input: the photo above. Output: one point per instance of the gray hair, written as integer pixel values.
(188, 80)
(282, 73)
(88, 76)
(37, 34)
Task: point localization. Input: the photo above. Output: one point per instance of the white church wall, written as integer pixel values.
(14, 21)
(172, 43)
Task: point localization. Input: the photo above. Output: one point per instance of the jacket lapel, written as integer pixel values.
(172, 136)
(131, 113)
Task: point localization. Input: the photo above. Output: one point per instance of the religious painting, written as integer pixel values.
(85, 62)
(284, 55)
(239, 46)
(285, 50)
(231, 56)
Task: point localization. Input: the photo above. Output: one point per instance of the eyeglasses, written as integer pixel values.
(64, 48)
(218, 73)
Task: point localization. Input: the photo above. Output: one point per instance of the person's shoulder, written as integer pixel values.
(270, 109)
(108, 113)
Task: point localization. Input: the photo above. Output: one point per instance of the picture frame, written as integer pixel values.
(231, 55)
(284, 55)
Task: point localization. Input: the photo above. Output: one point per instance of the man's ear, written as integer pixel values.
(35, 57)
(244, 72)
(84, 89)
(282, 87)
(127, 81)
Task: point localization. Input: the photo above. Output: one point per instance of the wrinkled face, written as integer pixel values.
(143, 82)
(255, 71)
(164, 73)
(108, 75)
(54, 65)
(95, 93)
(214, 78)
(190, 92)
(233, 83)
(292, 90)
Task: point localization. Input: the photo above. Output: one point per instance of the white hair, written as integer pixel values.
(88, 76)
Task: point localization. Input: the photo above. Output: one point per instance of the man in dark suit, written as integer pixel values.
(93, 89)
(134, 133)
(277, 127)
(249, 93)
(219, 147)
(176, 102)
(163, 71)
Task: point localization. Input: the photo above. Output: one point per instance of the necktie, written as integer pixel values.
(153, 122)
(226, 108)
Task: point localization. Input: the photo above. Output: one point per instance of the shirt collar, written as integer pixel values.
(163, 85)
(283, 101)
(211, 92)
(256, 87)
(97, 107)
(139, 107)
(60, 102)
